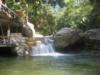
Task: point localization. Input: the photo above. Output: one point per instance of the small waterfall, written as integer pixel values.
(43, 48)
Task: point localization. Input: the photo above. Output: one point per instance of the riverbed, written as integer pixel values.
(70, 64)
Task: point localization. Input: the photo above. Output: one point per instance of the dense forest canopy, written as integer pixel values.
(50, 15)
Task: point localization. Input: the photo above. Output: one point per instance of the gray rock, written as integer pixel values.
(92, 39)
(93, 34)
(66, 36)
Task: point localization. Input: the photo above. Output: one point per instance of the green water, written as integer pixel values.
(63, 65)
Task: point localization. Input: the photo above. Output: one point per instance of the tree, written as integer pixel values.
(48, 17)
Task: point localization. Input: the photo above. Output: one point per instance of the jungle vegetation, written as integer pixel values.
(48, 16)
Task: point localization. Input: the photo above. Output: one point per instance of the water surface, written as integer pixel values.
(49, 65)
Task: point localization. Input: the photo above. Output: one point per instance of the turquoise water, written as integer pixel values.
(48, 65)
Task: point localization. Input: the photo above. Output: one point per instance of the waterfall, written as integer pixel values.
(43, 48)
(44, 44)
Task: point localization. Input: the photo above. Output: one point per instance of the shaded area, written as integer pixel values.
(7, 51)
(77, 47)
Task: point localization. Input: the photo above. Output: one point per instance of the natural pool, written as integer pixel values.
(48, 65)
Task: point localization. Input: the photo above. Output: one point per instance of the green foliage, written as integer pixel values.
(76, 13)
(94, 18)
(48, 17)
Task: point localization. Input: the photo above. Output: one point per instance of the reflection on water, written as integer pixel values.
(62, 65)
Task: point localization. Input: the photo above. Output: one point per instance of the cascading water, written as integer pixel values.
(43, 48)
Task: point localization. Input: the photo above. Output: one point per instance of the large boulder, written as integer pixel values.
(93, 34)
(92, 39)
(66, 36)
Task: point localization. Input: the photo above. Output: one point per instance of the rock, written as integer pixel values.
(39, 37)
(93, 34)
(28, 30)
(92, 39)
(66, 36)
(31, 26)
